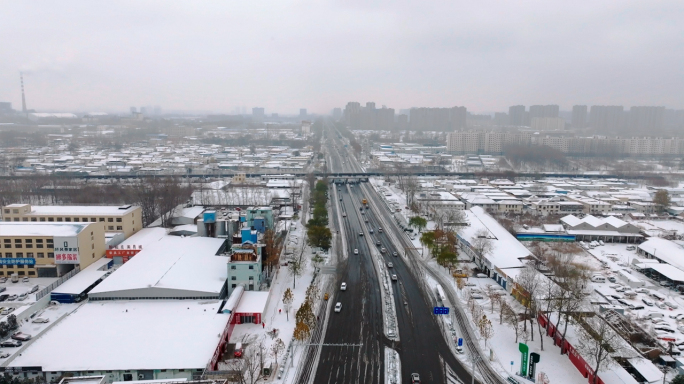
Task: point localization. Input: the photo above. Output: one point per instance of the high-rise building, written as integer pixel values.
(606, 118)
(258, 113)
(337, 113)
(501, 118)
(134, 110)
(543, 111)
(352, 114)
(579, 116)
(646, 119)
(438, 119)
(384, 118)
(302, 113)
(517, 115)
(548, 124)
(5, 107)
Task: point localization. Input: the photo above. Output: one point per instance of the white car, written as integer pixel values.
(394, 277)
(641, 290)
(338, 307)
(360, 233)
(356, 251)
(343, 287)
(40, 320)
(390, 265)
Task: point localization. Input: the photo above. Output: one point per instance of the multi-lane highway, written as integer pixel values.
(354, 340)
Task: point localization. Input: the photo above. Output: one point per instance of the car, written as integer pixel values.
(380, 229)
(3, 297)
(415, 378)
(641, 290)
(363, 213)
(11, 343)
(377, 243)
(340, 199)
(647, 302)
(40, 320)
(360, 233)
(394, 277)
(680, 317)
(395, 254)
(4, 355)
(481, 275)
(366, 220)
(12, 297)
(25, 280)
(356, 251)
(23, 296)
(665, 283)
(459, 349)
(390, 265)
(612, 279)
(343, 287)
(660, 305)
(383, 250)
(370, 230)
(3, 280)
(338, 307)
(620, 289)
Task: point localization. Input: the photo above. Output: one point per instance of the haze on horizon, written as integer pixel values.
(216, 56)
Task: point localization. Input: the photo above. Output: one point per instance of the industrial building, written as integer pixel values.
(128, 340)
(171, 268)
(125, 219)
(49, 249)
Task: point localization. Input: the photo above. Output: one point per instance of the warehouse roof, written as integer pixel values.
(135, 335)
(21, 228)
(84, 279)
(181, 263)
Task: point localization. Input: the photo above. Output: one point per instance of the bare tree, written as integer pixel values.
(273, 247)
(481, 243)
(277, 348)
(288, 298)
(296, 265)
(597, 342)
(486, 329)
(529, 280)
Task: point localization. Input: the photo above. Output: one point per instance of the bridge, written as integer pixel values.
(347, 176)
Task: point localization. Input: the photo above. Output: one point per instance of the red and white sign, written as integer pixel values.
(66, 250)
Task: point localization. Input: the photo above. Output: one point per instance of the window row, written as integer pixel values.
(69, 219)
(19, 255)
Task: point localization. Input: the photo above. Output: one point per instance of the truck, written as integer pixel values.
(364, 201)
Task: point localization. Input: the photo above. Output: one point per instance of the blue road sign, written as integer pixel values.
(460, 342)
(441, 310)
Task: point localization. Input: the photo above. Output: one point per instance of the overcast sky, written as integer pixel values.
(286, 55)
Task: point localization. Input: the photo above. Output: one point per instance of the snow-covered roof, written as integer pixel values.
(665, 250)
(571, 220)
(172, 263)
(647, 369)
(252, 302)
(41, 229)
(107, 210)
(670, 271)
(506, 250)
(84, 279)
(137, 335)
(144, 237)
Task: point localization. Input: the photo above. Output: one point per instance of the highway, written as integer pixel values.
(360, 321)
(421, 346)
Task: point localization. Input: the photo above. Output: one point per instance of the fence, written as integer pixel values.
(57, 283)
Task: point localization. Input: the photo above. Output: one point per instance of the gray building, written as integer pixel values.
(579, 116)
(606, 118)
(517, 115)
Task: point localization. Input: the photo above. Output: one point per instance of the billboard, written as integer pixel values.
(66, 250)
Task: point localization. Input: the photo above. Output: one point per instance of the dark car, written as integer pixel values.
(11, 343)
(3, 297)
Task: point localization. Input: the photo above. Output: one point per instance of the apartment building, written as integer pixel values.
(44, 249)
(126, 219)
(496, 142)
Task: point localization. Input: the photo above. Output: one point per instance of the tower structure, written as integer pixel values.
(23, 98)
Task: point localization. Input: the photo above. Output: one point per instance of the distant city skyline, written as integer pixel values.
(216, 56)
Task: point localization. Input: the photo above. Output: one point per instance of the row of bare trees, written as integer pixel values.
(158, 197)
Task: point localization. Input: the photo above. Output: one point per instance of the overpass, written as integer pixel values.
(348, 175)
